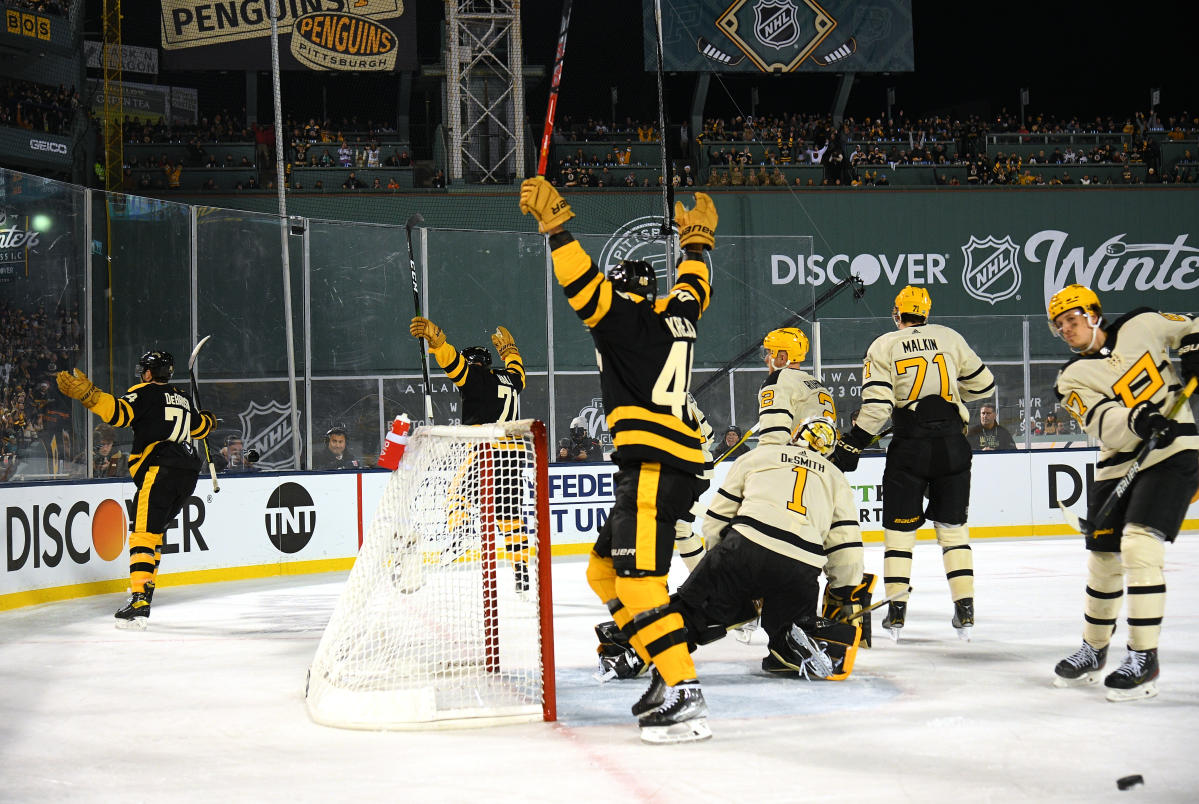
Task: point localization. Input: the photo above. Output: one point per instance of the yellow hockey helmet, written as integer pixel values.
(816, 433)
(1072, 296)
(788, 339)
(913, 300)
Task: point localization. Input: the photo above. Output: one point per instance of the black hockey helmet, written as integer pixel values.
(634, 276)
(477, 356)
(160, 365)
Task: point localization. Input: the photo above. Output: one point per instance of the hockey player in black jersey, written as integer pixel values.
(488, 396)
(162, 461)
(644, 347)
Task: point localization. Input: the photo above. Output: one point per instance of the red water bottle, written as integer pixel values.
(395, 442)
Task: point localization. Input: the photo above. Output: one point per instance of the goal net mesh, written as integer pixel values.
(441, 619)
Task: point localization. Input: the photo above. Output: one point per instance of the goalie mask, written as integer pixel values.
(788, 339)
(477, 356)
(160, 365)
(816, 433)
(634, 276)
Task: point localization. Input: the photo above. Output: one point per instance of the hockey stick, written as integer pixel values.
(415, 220)
(731, 449)
(876, 604)
(555, 80)
(191, 370)
(1147, 446)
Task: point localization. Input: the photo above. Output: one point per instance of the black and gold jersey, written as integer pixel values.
(907, 365)
(164, 422)
(787, 397)
(644, 351)
(1133, 366)
(488, 395)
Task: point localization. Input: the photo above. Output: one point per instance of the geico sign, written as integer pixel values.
(43, 535)
(46, 145)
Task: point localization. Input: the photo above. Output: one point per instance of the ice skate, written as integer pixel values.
(896, 613)
(804, 655)
(963, 617)
(776, 667)
(1135, 678)
(136, 613)
(681, 718)
(1081, 668)
(653, 697)
(521, 571)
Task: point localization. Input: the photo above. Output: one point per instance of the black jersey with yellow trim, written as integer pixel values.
(644, 351)
(488, 395)
(164, 421)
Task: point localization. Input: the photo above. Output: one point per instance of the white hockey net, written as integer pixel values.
(445, 619)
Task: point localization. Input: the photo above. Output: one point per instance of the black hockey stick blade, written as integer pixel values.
(191, 361)
(414, 220)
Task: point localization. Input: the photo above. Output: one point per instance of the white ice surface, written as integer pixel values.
(208, 705)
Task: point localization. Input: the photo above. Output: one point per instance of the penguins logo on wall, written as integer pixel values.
(290, 517)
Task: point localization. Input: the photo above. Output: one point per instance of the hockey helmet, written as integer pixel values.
(1070, 297)
(788, 339)
(160, 365)
(816, 433)
(477, 356)
(634, 276)
(912, 300)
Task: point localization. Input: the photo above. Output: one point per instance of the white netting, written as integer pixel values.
(439, 622)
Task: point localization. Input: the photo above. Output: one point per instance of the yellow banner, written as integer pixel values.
(194, 23)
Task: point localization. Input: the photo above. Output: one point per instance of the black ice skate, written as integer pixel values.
(521, 571)
(1080, 668)
(963, 617)
(135, 614)
(801, 655)
(653, 697)
(681, 718)
(1135, 678)
(896, 612)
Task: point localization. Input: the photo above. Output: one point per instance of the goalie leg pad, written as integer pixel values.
(817, 649)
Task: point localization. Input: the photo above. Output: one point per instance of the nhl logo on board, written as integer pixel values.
(267, 428)
(776, 23)
(992, 270)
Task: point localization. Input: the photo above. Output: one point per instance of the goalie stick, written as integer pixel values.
(416, 219)
(876, 604)
(1086, 528)
(191, 370)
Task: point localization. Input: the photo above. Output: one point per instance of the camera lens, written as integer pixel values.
(252, 455)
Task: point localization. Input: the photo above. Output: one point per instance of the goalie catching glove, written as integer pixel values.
(697, 226)
(542, 200)
(504, 343)
(424, 328)
(845, 604)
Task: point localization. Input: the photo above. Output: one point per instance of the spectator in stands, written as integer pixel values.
(377, 184)
(264, 145)
(108, 461)
(353, 182)
(372, 156)
(392, 184)
(233, 457)
(989, 434)
(326, 159)
(439, 179)
(731, 447)
(345, 156)
(174, 174)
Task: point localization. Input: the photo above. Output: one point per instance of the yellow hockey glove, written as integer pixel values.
(424, 328)
(77, 386)
(697, 227)
(504, 343)
(541, 199)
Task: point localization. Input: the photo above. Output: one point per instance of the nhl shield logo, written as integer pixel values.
(776, 23)
(992, 270)
(267, 428)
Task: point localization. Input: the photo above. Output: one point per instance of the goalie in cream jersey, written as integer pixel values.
(789, 394)
(1117, 389)
(920, 376)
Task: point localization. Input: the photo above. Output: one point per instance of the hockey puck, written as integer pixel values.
(1126, 782)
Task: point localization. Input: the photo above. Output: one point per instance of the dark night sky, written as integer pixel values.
(1076, 59)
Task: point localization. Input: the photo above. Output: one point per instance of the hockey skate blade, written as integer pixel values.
(136, 624)
(1085, 680)
(1140, 692)
(689, 731)
(964, 633)
(894, 634)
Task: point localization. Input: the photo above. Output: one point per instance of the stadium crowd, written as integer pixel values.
(38, 107)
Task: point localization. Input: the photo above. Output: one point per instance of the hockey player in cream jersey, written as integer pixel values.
(919, 376)
(789, 395)
(1116, 389)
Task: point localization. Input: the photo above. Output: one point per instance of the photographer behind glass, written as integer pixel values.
(237, 459)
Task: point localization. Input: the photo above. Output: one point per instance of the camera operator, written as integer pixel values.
(237, 459)
(108, 461)
(582, 446)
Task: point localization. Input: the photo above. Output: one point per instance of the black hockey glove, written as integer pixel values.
(849, 449)
(1145, 420)
(1188, 355)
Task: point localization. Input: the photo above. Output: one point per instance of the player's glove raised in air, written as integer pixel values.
(1145, 420)
(77, 386)
(697, 227)
(424, 328)
(849, 449)
(1188, 356)
(504, 343)
(541, 199)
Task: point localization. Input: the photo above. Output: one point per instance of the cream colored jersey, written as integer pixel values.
(788, 396)
(791, 500)
(1133, 366)
(705, 432)
(908, 364)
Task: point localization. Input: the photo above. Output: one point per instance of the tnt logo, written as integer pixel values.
(290, 518)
